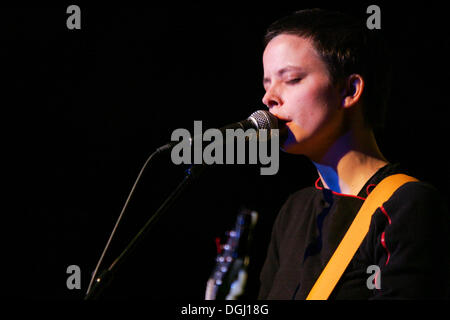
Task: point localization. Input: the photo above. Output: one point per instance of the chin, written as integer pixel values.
(291, 145)
(292, 150)
(295, 145)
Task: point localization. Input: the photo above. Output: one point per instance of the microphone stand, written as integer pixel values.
(106, 276)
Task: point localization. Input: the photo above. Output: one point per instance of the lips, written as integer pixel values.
(282, 127)
(281, 121)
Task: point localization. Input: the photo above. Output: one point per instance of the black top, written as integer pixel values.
(408, 239)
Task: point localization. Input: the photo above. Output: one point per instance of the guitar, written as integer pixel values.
(229, 277)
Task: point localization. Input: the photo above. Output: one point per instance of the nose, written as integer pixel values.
(271, 99)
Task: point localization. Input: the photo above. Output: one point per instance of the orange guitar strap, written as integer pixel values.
(354, 236)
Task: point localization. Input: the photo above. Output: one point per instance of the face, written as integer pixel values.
(300, 93)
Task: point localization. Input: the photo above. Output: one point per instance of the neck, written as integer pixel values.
(349, 163)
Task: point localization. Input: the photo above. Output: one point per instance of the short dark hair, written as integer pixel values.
(347, 46)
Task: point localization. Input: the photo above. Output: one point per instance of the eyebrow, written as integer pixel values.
(283, 71)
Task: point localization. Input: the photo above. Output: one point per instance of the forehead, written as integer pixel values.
(287, 49)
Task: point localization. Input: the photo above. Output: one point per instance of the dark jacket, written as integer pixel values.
(408, 240)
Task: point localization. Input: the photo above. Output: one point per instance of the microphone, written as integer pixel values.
(258, 120)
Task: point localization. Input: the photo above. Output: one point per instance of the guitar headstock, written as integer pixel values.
(229, 276)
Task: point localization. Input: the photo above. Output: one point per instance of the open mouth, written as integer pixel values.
(283, 128)
(282, 123)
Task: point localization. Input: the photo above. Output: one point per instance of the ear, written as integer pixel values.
(352, 90)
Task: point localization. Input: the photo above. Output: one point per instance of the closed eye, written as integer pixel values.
(294, 81)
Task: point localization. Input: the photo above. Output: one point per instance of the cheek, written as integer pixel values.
(313, 108)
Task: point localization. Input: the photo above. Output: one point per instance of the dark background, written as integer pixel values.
(84, 108)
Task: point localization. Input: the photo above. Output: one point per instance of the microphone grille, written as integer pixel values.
(264, 119)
